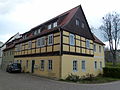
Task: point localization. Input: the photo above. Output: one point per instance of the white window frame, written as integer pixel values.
(50, 64)
(38, 42)
(83, 69)
(94, 47)
(29, 44)
(95, 65)
(75, 65)
(50, 39)
(100, 65)
(42, 63)
(39, 30)
(87, 43)
(72, 39)
(49, 26)
(42, 41)
(55, 24)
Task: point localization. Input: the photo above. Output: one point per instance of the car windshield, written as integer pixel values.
(16, 65)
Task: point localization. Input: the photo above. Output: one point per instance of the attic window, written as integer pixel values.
(49, 26)
(55, 24)
(77, 22)
(83, 25)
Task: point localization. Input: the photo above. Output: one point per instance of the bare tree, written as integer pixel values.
(111, 31)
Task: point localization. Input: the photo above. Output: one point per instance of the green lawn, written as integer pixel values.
(99, 79)
(111, 65)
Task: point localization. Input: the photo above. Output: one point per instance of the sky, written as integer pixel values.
(22, 15)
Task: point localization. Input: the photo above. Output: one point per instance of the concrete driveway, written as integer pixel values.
(28, 82)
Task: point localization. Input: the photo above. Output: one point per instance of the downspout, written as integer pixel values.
(60, 69)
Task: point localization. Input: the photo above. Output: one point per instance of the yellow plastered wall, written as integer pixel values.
(67, 66)
(99, 55)
(54, 73)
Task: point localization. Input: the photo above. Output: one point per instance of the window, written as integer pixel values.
(49, 26)
(99, 48)
(94, 47)
(72, 39)
(21, 62)
(42, 41)
(27, 64)
(17, 47)
(55, 24)
(42, 64)
(82, 25)
(100, 65)
(74, 65)
(95, 64)
(50, 39)
(83, 66)
(29, 45)
(50, 64)
(35, 32)
(77, 22)
(39, 30)
(20, 47)
(87, 43)
(38, 42)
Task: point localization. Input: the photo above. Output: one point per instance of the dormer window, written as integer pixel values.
(49, 26)
(35, 32)
(55, 24)
(39, 30)
(77, 22)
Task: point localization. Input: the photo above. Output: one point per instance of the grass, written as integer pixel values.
(99, 79)
(109, 64)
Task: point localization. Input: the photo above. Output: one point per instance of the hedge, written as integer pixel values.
(111, 72)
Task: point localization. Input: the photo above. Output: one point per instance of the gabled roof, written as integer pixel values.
(97, 40)
(62, 19)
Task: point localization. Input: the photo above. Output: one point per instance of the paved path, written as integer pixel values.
(29, 82)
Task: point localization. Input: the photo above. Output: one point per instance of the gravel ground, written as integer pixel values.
(20, 81)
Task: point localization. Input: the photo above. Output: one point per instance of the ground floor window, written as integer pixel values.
(75, 65)
(49, 64)
(27, 63)
(42, 64)
(83, 65)
(95, 64)
(100, 64)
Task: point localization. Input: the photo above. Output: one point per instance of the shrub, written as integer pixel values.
(111, 72)
(73, 78)
(88, 77)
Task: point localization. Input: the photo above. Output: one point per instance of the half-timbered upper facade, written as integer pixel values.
(57, 47)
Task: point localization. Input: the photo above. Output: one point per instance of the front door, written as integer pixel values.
(32, 68)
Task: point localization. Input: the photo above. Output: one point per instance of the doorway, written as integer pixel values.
(32, 68)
